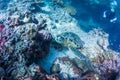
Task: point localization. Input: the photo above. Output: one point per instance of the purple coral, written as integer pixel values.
(108, 67)
(2, 37)
(1, 27)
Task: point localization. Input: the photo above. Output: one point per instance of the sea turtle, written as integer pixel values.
(70, 39)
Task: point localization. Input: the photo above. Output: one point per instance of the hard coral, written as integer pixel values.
(52, 77)
(3, 37)
(108, 67)
(45, 35)
(37, 72)
(58, 2)
(66, 69)
(18, 43)
(27, 18)
(1, 27)
(12, 21)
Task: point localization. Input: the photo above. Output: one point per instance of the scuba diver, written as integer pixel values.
(110, 14)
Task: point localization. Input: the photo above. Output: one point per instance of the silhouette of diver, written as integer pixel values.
(110, 14)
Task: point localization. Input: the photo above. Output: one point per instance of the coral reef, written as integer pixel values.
(58, 2)
(108, 66)
(20, 41)
(66, 69)
(39, 44)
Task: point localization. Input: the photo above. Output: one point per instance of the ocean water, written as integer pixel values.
(85, 12)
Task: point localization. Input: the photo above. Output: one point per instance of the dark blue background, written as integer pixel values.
(113, 29)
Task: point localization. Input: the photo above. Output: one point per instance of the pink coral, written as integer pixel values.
(2, 38)
(108, 67)
(1, 27)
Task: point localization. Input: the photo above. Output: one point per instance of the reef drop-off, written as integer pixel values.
(41, 40)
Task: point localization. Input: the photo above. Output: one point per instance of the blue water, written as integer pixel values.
(113, 29)
(3, 4)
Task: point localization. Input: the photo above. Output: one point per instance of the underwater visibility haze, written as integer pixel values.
(59, 40)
